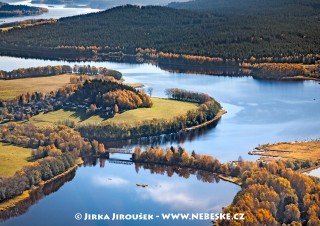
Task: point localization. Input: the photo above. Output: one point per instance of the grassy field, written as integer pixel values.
(60, 115)
(294, 150)
(162, 108)
(11, 88)
(12, 158)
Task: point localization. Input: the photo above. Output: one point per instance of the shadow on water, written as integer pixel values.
(164, 139)
(35, 196)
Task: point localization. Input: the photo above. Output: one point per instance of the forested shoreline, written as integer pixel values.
(229, 36)
(49, 70)
(208, 109)
(272, 193)
(60, 146)
(7, 10)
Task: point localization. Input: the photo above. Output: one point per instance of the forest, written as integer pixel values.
(7, 10)
(278, 33)
(272, 192)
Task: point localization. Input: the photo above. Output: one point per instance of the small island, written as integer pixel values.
(7, 10)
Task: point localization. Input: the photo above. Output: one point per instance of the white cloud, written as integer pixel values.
(175, 195)
(109, 181)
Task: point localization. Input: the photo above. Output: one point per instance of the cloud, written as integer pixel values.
(175, 195)
(109, 181)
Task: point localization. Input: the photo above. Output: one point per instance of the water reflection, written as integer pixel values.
(102, 187)
(35, 196)
(164, 139)
(110, 181)
(202, 176)
(207, 69)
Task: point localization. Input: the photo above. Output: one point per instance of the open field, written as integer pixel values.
(61, 115)
(11, 88)
(162, 108)
(12, 158)
(291, 150)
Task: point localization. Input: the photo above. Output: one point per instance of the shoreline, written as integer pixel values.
(216, 118)
(308, 170)
(26, 194)
(132, 58)
(294, 151)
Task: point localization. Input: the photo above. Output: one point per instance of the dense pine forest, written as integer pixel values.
(280, 30)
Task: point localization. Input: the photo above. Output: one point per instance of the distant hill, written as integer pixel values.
(252, 7)
(7, 10)
(293, 37)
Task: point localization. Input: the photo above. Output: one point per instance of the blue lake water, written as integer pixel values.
(258, 112)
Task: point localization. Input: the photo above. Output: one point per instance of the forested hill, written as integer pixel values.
(216, 34)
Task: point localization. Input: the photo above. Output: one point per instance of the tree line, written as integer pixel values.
(33, 173)
(93, 70)
(179, 157)
(185, 95)
(277, 71)
(58, 70)
(176, 157)
(35, 72)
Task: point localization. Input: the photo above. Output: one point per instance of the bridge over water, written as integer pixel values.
(128, 151)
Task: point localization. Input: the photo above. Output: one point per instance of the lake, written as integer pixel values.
(258, 112)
